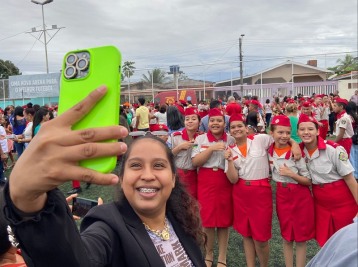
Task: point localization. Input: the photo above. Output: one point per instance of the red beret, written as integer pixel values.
(281, 120)
(291, 101)
(182, 102)
(341, 100)
(236, 117)
(255, 102)
(191, 111)
(181, 109)
(159, 129)
(215, 112)
(306, 104)
(305, 118)
(318, 96)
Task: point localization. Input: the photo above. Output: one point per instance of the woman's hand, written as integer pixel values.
(186, 145)
(53, 156)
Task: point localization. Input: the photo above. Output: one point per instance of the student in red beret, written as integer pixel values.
(247, 167)
(214, 189)
(294, 202)
(344, 128)
(334, 187)
(182, 145)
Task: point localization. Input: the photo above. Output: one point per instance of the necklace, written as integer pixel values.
(164, 234)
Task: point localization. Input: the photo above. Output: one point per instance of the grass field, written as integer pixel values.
(236, 255)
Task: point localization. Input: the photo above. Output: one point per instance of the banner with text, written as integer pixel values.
(32, 86)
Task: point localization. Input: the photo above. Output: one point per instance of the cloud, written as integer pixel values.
(201, 36)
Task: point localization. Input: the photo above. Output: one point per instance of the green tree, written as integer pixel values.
(7, 68)
(127, 69)
(159, 76)
(345, 65)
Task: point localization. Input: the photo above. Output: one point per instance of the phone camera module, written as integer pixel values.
(82, 64)
(71, 59)
(70, 72)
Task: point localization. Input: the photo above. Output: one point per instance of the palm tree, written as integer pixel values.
(127, 69)
(346, 65)
(158, 76)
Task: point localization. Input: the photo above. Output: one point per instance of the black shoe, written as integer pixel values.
(75, 191)
(88, 185)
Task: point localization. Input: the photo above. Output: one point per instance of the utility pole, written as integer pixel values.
(241, 70)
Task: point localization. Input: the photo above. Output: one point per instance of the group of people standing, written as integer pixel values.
(226, 160)
(17, 127)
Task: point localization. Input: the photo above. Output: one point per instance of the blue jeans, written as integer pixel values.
(19, 148)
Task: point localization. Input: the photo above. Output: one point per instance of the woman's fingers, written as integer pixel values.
(89, 176)
(77, 112)
(94, 150)
(94, 135)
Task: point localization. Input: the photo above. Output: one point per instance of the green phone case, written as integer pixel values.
(103, 69)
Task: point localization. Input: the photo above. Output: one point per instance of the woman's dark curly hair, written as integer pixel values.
(181, 204)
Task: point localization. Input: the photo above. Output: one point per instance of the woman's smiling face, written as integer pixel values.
(148, 178)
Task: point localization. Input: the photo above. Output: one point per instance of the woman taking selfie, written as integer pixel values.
(153, 222)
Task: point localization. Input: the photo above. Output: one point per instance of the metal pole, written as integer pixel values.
(204, 85)
(3, 86)
(176, 83)
(153, 85)
(129, 91)
(44, 30)
(241, 70)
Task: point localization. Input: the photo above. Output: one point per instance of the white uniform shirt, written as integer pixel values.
(3, 141)
(317, 112)
(255, 166)
(183, 158)
(217, 159)
(328, 163)
(298, 167)
(325, 111)
(345, 122)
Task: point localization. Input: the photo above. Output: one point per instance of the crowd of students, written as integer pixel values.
(226, 155)
(316, 195)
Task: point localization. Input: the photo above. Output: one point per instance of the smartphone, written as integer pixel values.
(82, 72)
(80, 206)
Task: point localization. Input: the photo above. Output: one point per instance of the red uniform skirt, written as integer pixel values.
(323, 130)
(335, 208)
(215, 198)
(347, 144)
(295, 212)
(190, 180)
(253, 209)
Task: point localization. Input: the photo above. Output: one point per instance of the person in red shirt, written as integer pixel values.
(232, 107)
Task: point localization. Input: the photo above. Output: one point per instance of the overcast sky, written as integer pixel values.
(202, 36)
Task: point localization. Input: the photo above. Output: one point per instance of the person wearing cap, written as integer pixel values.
(324, 116)
(247, 167)
(214, 189)
(232, 107)
(294, 202)
(258, 123)
(161, 131)
(204, 123)
(344, 128)
(182, 145)
(334, 187)
(306, 108)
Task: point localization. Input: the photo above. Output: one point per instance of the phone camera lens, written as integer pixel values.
(71, 59)
(70, 72)
(82, 64)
